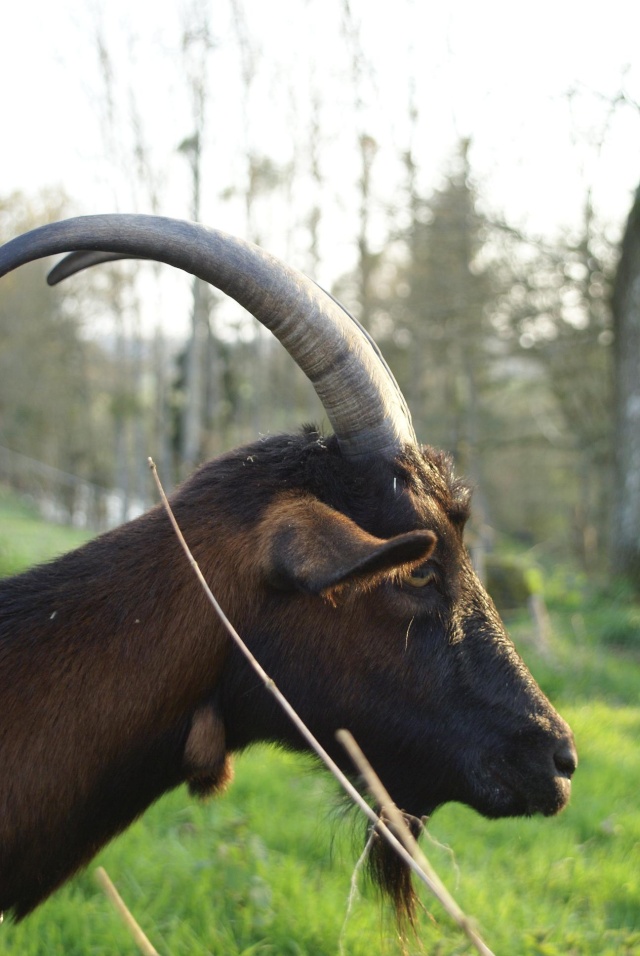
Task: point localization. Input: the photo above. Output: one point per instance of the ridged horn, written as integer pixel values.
(358, 392)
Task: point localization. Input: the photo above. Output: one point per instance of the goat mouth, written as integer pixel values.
(496, 796)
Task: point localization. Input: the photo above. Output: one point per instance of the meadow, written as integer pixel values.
(267, 868)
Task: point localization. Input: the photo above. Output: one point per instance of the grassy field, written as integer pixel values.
(25, 539)
(266, 869)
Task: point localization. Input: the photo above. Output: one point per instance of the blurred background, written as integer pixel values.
(464, 177)
(460, 178)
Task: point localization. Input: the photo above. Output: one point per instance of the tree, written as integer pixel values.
(197, 44)
(438, 316)
(501, 346)
(626, 325)
(48, 372)
(555, 315)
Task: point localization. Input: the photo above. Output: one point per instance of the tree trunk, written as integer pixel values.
(626, 324)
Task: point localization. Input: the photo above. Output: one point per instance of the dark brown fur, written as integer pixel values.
(118, 683)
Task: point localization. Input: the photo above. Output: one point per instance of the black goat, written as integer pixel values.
(340, 561)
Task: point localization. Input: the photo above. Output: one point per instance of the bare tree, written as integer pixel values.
(197, 44)
(120, 296)
(626, 321)
(361, 74)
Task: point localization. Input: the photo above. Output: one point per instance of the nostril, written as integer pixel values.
(566, 758)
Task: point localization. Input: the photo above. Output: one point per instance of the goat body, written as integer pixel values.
(344, 571)
(118, 684)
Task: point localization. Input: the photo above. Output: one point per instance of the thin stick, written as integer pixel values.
(112, 894)
(435, 886)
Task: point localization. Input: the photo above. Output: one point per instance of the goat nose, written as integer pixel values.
(566, 758)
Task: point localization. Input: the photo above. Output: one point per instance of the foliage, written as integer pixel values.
(601, 616)
(511, 581)
(41, 368)
(555, 316)
(437, 312)
(51, 376)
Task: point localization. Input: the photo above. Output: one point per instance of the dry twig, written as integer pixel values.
(410, 857)
(112, 894)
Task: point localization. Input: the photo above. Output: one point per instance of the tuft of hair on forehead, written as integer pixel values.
(432, 472)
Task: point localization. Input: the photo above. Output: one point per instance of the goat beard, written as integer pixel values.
(389, 872)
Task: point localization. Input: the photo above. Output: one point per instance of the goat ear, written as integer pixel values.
(310, 547)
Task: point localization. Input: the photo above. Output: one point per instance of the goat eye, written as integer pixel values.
(419, 577)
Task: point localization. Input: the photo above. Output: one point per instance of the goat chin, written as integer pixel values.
(495, 801)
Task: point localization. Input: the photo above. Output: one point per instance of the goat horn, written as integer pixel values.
(358, 392)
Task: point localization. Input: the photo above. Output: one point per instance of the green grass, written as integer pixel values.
(25, 539)
(266, 868)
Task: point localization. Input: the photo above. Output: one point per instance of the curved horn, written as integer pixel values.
(83, 259)
(358, 392)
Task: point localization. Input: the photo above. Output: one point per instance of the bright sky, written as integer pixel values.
(497, 71)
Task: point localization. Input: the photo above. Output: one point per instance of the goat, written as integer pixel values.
(341, 562)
